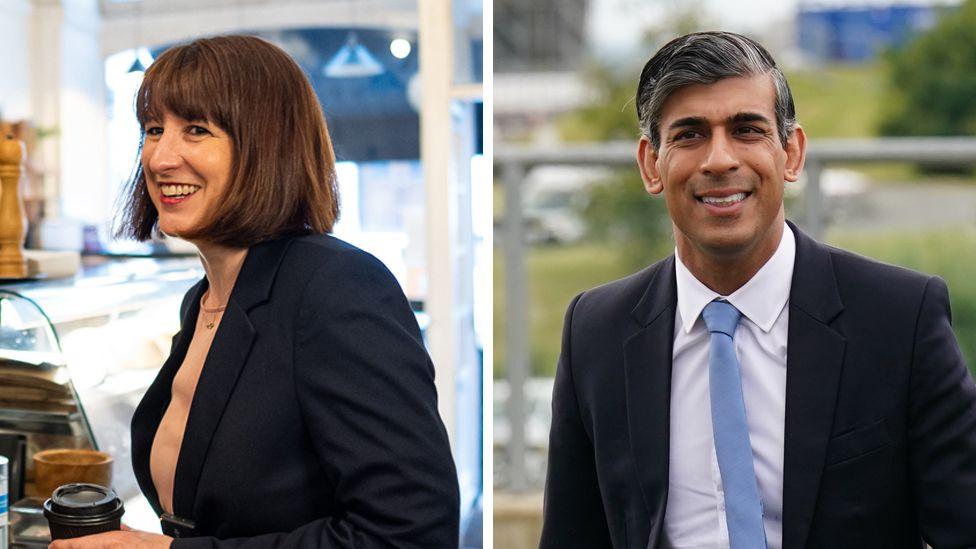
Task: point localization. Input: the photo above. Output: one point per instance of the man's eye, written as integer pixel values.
(690, 134)
(751, 130)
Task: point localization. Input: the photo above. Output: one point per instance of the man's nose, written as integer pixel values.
(721, 156)
(166, 154)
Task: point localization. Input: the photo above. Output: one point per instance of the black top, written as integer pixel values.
(314, 422)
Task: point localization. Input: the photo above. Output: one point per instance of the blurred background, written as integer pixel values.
(886, 91)
(400, 82)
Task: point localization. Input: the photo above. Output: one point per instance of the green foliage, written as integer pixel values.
(618, 210)
(838, 101)
(555, 275)
(932, 81)
(620, 213)
(610, 114)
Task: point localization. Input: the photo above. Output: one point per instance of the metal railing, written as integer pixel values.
(513, 163)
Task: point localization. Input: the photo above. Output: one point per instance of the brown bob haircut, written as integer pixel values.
(283, 178)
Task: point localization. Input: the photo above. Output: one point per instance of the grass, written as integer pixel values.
(557, 273)
(839, 101)
(847, 101)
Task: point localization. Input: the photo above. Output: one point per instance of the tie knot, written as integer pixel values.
(721, 317)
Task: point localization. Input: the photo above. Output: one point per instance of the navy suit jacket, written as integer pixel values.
(880, 441)
(314, 422)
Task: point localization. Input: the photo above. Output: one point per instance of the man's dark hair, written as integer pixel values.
(705, 58)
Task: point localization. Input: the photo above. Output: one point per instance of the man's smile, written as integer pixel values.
(723, 201)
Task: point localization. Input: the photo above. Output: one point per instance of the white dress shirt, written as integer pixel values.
(695, 514)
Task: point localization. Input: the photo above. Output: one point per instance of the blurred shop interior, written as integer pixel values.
(86, 321)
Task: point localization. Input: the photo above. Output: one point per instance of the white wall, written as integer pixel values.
(66, 96)
(85, 191)
(15, 92)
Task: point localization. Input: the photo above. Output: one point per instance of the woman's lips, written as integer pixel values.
(176, 193)
(174, 199)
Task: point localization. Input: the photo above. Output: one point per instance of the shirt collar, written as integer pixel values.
(761, 299)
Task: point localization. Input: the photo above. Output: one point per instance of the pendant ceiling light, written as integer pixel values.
(352, 60)
(137, 65)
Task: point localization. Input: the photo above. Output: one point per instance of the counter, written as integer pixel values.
(114, 321)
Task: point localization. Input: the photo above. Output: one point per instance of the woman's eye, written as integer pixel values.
(198, 131)
(154, 131)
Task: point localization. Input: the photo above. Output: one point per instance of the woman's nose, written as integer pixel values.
(165, 154)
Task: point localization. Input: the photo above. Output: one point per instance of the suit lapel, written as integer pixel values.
(647, 371)
(225, 361)
(146, 418)
(223, 366)
(815, 357)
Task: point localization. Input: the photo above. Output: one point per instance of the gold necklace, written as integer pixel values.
(213, 312)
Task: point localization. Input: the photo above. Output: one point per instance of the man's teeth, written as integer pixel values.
(178, 190)
(724, 200)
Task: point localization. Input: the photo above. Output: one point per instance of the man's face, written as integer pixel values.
(721, 167)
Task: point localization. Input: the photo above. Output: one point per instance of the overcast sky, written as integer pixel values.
(615, 26)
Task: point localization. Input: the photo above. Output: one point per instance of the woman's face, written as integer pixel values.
(187, 166)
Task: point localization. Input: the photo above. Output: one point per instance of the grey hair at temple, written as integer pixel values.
(705, 58)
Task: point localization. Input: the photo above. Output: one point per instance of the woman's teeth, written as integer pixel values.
(724, 200)
(178, 190)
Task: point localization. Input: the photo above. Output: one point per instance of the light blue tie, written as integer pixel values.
(743, 507)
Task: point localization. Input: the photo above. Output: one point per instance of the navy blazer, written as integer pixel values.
(880, 441)
(314, 422)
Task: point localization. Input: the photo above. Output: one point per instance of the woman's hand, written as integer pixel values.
(127, 539)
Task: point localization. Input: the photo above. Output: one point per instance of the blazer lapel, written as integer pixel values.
(146, 418)
(223, 366)
(647, 371)
(815, 357)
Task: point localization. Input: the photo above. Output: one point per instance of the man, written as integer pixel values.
(756, 389)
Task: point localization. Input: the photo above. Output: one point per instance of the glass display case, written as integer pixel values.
(76, 356)
(39, 408)
(37, 397)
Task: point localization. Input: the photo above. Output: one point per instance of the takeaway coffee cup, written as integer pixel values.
(76, 510)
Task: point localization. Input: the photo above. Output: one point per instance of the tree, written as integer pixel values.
(932, 80)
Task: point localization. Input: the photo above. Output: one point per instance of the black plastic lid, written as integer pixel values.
(83, 500)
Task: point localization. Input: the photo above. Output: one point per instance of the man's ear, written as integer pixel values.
(647, 162)
(796, 154)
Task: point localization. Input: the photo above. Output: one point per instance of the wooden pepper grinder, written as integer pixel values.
(13, 221)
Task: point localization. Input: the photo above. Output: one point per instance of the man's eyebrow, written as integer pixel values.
(737, 118)
(688, 122)
(744, 117)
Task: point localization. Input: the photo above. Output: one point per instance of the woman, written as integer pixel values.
(297, 407)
